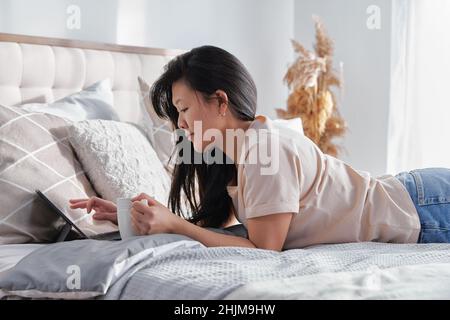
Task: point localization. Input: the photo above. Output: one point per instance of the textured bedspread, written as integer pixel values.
(344, 271)
(176, 267)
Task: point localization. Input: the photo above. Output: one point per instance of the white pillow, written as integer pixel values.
(160, 132)
(119, 160)
(93, 102)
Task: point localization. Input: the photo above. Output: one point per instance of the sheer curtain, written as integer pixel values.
(419, 119)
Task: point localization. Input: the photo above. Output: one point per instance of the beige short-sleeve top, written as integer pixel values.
(332, 202)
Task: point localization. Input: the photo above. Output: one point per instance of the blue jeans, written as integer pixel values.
(430, 191)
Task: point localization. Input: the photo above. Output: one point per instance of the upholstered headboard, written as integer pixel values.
(38, 69)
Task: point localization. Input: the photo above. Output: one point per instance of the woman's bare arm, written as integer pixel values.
(210, 238)
(268, 232)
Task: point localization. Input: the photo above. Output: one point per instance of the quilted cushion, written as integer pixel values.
(119, 160)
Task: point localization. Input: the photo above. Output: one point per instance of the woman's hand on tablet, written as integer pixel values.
(104, 209)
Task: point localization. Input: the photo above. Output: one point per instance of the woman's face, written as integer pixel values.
(197, 115)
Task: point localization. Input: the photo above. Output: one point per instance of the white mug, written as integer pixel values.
(124, 218)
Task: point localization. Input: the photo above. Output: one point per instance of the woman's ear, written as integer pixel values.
(223, 101)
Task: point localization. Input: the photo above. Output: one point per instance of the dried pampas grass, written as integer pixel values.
(311, 78)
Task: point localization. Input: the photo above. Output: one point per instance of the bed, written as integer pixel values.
(167, 266)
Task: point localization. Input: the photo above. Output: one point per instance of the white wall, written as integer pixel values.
(366, 57)
(256, 31)
(49, 17)
(4, 7)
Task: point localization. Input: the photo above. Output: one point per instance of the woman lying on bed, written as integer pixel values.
(296, 197)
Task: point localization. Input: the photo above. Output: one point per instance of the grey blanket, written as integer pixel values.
(175, 267)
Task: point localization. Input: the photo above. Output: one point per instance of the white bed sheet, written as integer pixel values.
(10, 254)
(423, 281)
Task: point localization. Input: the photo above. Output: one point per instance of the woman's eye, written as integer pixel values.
(184, 110)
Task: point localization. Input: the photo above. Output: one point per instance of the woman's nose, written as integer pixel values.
(181, 122)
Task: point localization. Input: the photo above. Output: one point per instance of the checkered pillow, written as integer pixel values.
(35, 154)
(160, 132)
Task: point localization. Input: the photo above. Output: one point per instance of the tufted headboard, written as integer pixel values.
(38, 69)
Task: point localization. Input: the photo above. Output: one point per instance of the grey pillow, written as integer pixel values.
(93, 102)
(98, 265)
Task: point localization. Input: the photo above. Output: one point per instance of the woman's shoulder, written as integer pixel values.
(269, 138)
(282, 140)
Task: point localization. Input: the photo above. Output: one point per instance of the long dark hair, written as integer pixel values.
(205, 69)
